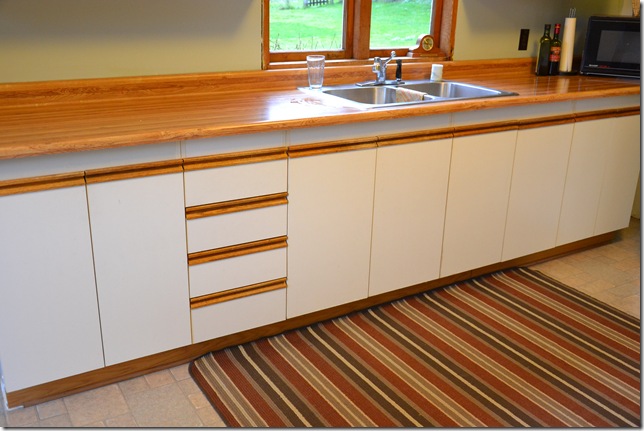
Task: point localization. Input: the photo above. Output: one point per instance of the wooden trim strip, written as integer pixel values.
(479, 129)
(231, 159)
(47, 182)
(533, 123)
(240, 292)
(199, 257)
(331, 147)
(420, 136)
(133, 171)
(245, 204)
(607, 113)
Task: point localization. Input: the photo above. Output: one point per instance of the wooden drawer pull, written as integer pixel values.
(231, 159)
(34, 184)
(237, 250)
(330, 147)
(240, 292)
(133, 171)
(218, 208)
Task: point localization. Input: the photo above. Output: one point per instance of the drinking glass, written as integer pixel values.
(315, 64)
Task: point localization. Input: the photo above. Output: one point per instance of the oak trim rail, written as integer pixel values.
(237, 250)
(227, 207)
(237, 293)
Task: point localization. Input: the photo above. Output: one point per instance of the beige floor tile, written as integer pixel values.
(164, 406)
(96, 405)
(160, 378)
(134, 385)
(210, 417)
(51, 409)
(22, 417)
(181, 372)
(123, 421)
(61, 421)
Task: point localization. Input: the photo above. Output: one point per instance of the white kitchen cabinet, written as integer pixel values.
(601, 178)
(620, 175)
(538, 179)
(409, 213)
(329, 229)
(477, 200)
(49, 320)
(139, 238)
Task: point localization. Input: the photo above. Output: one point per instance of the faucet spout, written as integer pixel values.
(380, 69)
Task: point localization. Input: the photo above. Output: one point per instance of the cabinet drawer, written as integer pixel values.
(225, 274)
(237, 315)
(236, 228)
(235, 182)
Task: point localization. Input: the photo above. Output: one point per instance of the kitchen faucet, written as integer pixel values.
(380, 69)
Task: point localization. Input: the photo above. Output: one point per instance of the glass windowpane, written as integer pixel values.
(398, 23)
(306, 25)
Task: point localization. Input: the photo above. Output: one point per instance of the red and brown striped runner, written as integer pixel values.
(514, 348)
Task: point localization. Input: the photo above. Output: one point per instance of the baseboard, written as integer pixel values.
(127, 370)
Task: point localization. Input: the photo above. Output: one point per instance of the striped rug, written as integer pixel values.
(514, 348)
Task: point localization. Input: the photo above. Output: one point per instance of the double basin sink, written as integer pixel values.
(410, 92)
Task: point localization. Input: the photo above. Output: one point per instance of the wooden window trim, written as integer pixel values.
(358, 21)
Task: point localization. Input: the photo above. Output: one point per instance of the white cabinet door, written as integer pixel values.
(138, 231)
(409, 214)
(329, 229)
(620, 175)
(538, 179)
(49, 324)
(477, 200)
(601, 178)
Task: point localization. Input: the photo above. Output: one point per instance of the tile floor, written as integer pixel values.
(170, 398)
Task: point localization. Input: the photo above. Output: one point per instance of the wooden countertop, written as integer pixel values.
(70, 116)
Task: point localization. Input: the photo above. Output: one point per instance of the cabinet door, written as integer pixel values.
(538, 179)
(601, 179)
(49, 324)
(620, 175)
(138, 231)
(409, 214)
(477, 200)
(329, 229)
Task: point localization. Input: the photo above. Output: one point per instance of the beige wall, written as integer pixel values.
(68, 39)
(490, 28)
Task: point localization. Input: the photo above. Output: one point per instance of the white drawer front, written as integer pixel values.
(235, 182)
(240, 227)
(238, 315)
(226, 274)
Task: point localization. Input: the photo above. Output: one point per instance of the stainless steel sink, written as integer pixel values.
(423, 92)
(454, 90)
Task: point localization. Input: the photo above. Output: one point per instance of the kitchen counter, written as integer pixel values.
(70, 116)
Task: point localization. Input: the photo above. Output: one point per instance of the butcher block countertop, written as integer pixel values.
(69, 116)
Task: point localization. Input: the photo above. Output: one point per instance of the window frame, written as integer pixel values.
(357, 21)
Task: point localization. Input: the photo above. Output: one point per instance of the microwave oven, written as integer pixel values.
(612, 47)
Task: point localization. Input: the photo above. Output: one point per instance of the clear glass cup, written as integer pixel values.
(315, 64)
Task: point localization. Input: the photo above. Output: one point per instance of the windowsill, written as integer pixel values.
(354, 62)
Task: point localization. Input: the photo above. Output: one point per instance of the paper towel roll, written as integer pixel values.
(567, 45)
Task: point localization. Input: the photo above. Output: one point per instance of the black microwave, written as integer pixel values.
(612, 47)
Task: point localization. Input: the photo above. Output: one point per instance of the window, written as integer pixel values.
(354, 29)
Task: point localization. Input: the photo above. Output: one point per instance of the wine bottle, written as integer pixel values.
(555, 52)
(543, 52)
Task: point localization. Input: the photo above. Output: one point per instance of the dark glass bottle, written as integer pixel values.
(555, 52)
(543, 52)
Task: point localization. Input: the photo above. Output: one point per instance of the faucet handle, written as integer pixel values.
(376, 64)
